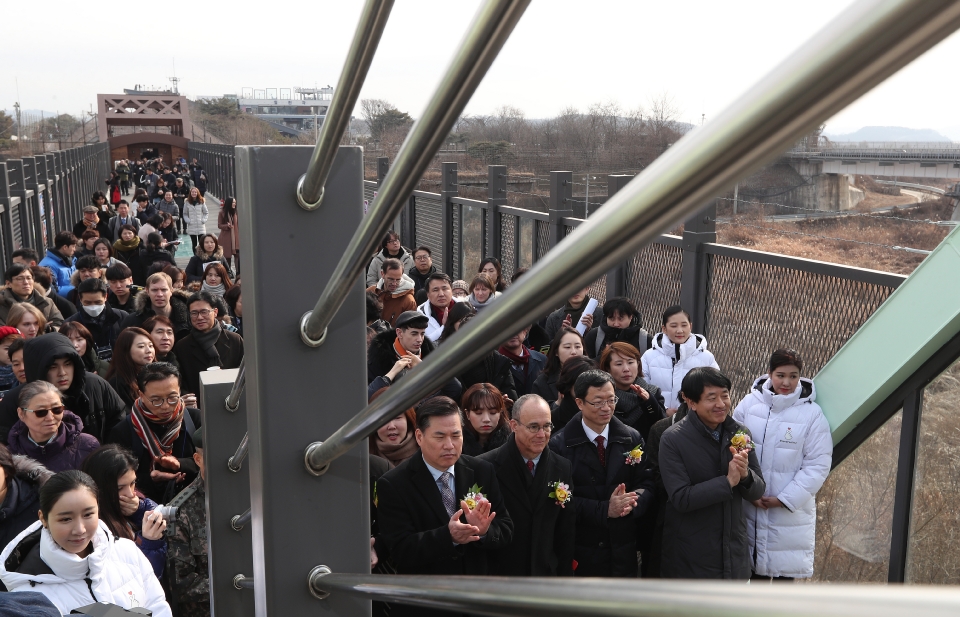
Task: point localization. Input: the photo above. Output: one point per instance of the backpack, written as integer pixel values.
(644, 340)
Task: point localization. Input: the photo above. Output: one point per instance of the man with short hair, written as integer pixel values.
(26, 256)
(614, 485)
(43, 283)
(101, 320)
(61, 261)
(159, 298)
(422, 268)
(525, 364)
(20, 288)
(187, 549)
(621, 323)
(208, 343)
(707, 480)
(572, 314)
(88, 267)
(394, 290)
(145, 209)
(392, 353)
(431, 519)
(437, 306)
(158, 432)
(91, 220)
(120, 280)
(528, 472)
(149, 181)
(122, 218)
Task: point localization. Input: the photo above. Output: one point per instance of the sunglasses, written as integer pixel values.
(42, 413)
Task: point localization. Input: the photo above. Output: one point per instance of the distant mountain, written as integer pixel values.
(890, 133)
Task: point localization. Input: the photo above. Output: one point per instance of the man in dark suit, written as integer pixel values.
(208, 343)
(425, 517)
(543, 526)
(613, 488)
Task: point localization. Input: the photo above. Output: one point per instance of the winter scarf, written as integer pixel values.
(158, 445)
(516, 360)
(440, 314)
(121, 245)
(216, 290)
(401, 352)
(208, 342)
(397, 453)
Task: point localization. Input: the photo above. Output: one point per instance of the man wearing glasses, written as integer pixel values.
(158, 432)
(613, 484)
(21, 288)
(208, 345)
(543, 528)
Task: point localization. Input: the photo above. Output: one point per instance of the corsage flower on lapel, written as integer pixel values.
(561, 492)
(474, 497)
(634, 456)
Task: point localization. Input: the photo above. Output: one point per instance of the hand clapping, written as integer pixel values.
(621, 502)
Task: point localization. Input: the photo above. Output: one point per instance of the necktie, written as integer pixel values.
(601, 452)
(446, 494)
(530, 467)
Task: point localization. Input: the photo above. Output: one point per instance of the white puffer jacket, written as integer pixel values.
(665, 364)
(117, 572)
(195, 216)
(795, 449)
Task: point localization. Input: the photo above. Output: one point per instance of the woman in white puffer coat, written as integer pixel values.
(795, 450)
(72, 558)
(674, 353)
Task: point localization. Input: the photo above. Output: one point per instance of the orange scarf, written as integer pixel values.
(401, 352)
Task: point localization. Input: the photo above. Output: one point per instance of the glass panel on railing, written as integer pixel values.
(932, 557)
(855, 511)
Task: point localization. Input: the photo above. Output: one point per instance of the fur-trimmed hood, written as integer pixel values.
(217, 254)
(142, 300)
(75, 277)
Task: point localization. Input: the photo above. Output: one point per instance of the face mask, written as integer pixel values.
(94, 310)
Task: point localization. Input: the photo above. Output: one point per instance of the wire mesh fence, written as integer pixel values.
(653, 279)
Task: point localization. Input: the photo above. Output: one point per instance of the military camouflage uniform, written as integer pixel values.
(187, 557)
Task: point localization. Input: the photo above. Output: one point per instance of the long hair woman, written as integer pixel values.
(127, 247)
(132, 351)
(396, 440)
(487, 424)
(73, 558)
(195, 216)
(229, 232)
(207, 250)
(125, 510)
(103, 250)
(216, 280)
(492, 268)
(83, 342)
(567, 343)
(28, 319)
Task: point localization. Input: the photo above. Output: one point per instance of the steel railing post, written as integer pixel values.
(617, 276)
(697, 230)
(496, 197)
(448, 188)
(561, 205)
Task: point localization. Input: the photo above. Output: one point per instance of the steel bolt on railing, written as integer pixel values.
(232, 402)
(373, 20)
(242, 581)
(859, 49)
(238, 521)
(236, 461)
(484, 39)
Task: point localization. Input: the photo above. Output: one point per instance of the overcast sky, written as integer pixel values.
(562, 54)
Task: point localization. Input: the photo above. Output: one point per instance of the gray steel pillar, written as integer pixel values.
(297, 394)
(496, 197)
(697, 230)
(230, 551)
(448, 189)
(561, 204)
(617, 277)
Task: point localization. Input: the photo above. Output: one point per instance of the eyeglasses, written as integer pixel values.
(422, 258)
(170, 400)
(23, 279)
(42, 413)
(533, 429)
(601, 404)
(202, 313)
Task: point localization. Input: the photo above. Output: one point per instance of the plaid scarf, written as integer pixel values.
(157, 445)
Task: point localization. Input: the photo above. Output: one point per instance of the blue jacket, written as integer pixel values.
(62, 269)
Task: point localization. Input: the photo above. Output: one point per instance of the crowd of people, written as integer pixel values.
(584, 445)
(102, 342)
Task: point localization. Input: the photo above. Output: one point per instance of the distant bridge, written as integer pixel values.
(906, 160)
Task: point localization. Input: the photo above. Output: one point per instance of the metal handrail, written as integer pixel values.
(236, 461)
(232, 402)
(862, 46)
(575, 597)
(484, 39)
(373, 20)
(238, 521)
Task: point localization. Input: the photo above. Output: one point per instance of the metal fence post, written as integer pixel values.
(617, 277)
(448, 189)
(383, 166)
(561, 204)
(295, 393)
(496, 197)
(229, 550)
(903, 498)
(697, 230)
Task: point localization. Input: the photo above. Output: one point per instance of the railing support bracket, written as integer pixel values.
(309, 207)
(316, 471)
(315, 575)
(309, 342)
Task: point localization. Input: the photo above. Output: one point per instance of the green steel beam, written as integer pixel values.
(919, 318)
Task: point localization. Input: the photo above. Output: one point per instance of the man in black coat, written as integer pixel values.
(51, 357)
(705, 532)
(544, 522)
(159, 298)
(429, 518)
(208, 343)
(164, 468)
(101, 320)
(91, 220)
(394, 352)
(614, 485)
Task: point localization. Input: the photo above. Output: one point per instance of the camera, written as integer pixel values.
(169, 513)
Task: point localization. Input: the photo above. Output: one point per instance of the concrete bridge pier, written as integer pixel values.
(830, 192)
